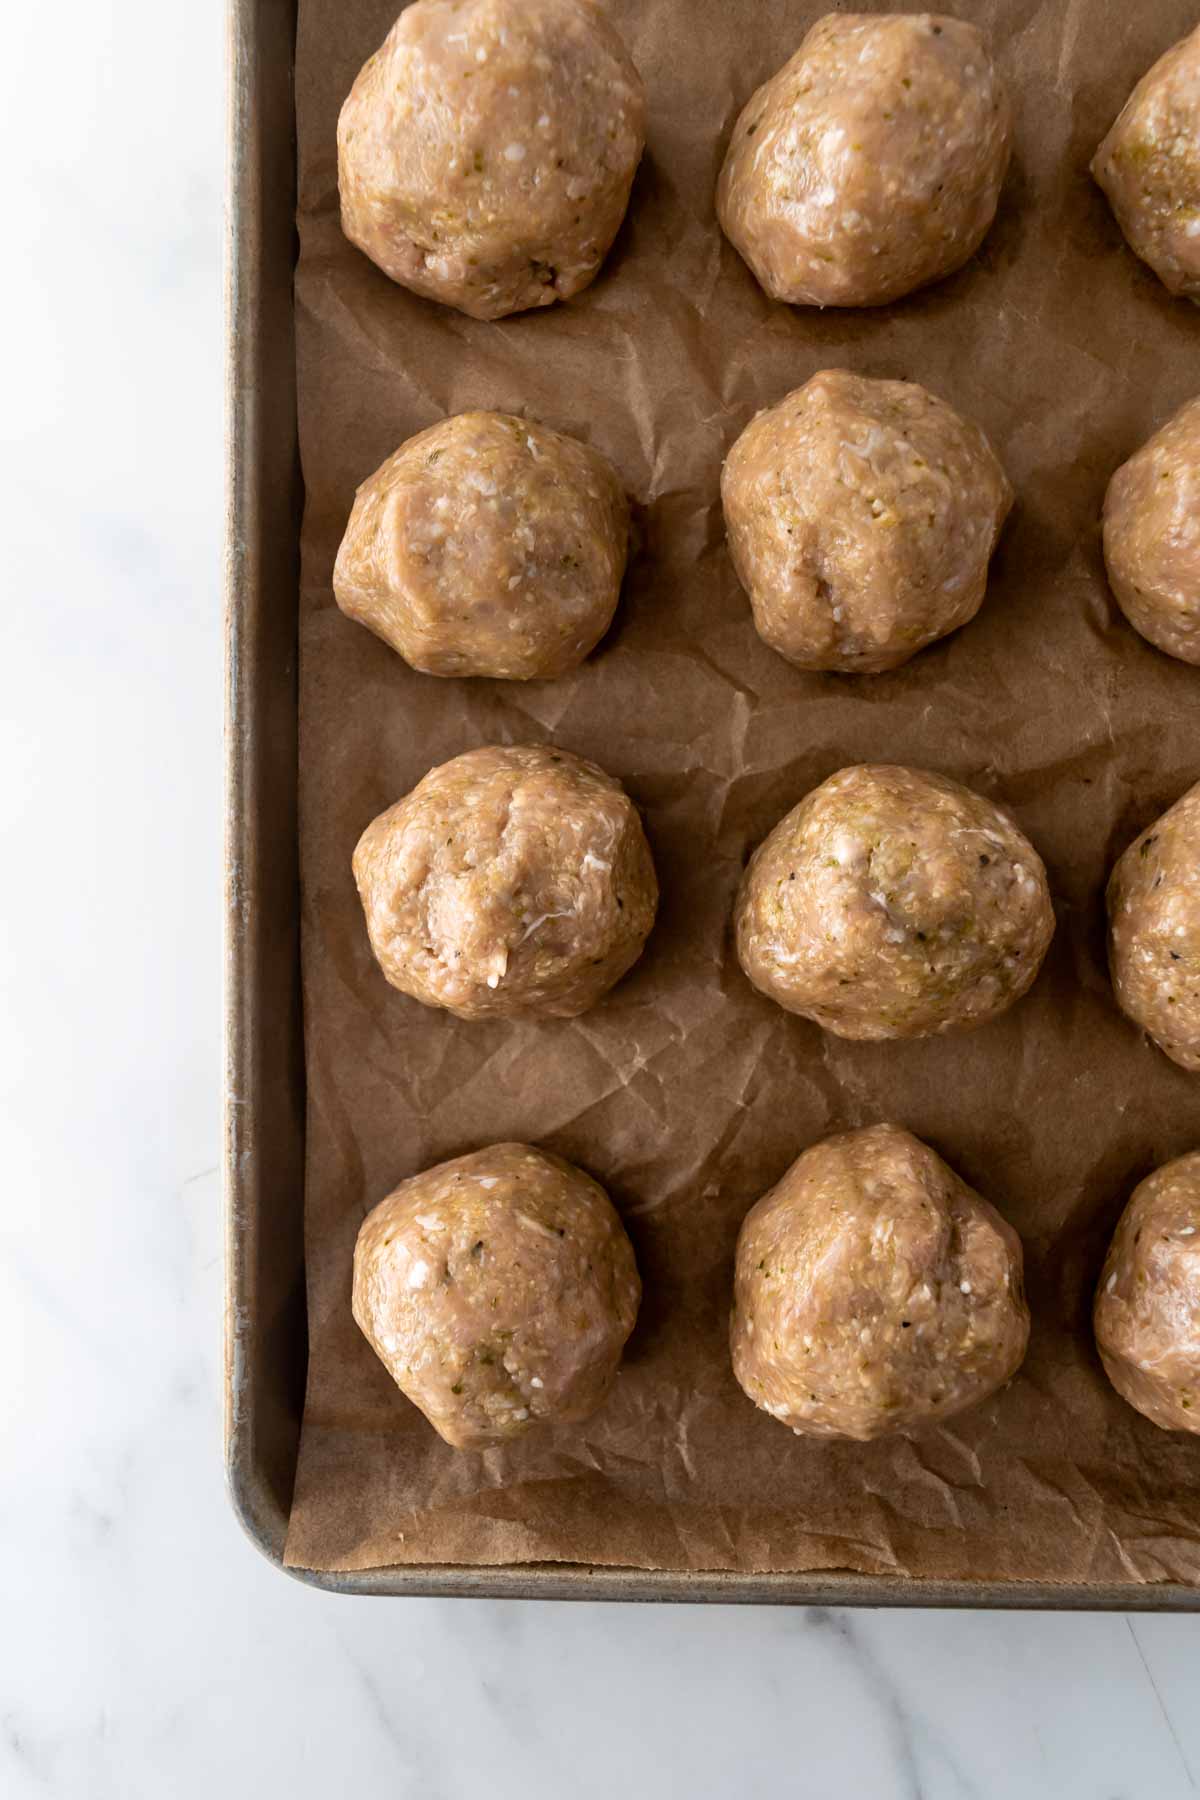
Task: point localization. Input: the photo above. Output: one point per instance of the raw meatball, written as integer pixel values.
(1152, 536)
(1149, 167)
(1154, 931)
(874, 1291)
(512, 882)
(487, 150)
(1147, 1313)
(861, 516)
(487, 545)
(871, 163)
(892, 903)
(497, 1291)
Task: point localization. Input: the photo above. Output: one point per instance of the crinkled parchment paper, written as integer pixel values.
(686, 1093)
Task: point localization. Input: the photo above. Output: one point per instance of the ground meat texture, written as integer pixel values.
(874, 1291)
(498, 1291)
(512, 882)
(893, 903)
(871, 163)
(1147, 1313)
(487, 545)
(486, 151)
(1154, 931)
(1149, 167)
(861, 516)
(1152, 536)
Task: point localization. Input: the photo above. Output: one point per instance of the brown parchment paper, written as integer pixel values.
(686, 1093)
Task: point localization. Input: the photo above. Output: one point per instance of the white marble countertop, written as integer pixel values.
(146, 1649)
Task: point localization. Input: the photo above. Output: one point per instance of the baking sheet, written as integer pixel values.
(686, 1093)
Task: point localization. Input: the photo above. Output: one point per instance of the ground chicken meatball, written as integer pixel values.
(1147, 1313)
(1152, 536)
(1149, 167)
(512, 882)
(861, 516)
(486, 151)
(893, 903)
(498, 1291)
(487, 545)
(871, 163)
(874, 1291)
(1154, 931)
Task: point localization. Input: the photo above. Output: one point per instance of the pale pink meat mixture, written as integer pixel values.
(1154, 930)
(1149, 167)
(1147, 1312)
(498, 1291)
(874, 1291)
(861, 517)
(487, 545)
(871, 163)
(487, 150)
(1152, 536)
(894, 903)
(511, 882)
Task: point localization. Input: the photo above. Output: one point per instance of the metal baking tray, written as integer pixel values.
(265, 1328)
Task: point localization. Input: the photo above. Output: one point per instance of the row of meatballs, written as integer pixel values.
(486, 154)
(861, 517)
(874, 1292)
(515, 881)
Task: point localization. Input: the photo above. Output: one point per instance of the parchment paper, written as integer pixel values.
(686, 1093)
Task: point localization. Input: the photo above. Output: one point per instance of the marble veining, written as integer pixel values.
(146, 1650)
